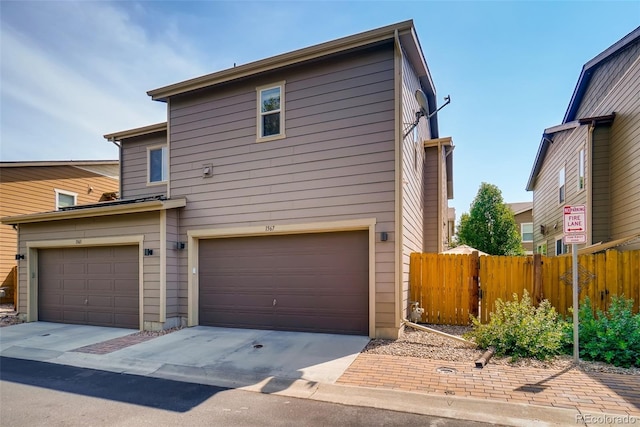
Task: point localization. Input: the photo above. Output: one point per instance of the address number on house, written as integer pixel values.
(270, 228)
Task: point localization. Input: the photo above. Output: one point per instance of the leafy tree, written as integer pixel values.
(490, 225)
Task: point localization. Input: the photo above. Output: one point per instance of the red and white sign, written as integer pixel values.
(575, 219)
(575, 238)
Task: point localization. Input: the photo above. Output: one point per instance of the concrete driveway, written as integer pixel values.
(267, 361)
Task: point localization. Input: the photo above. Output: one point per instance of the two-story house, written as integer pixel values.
(593, 157)
(286, 194)
(523, 215)
(36, 186)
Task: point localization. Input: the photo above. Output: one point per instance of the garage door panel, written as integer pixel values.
(319, 281)
(103, 285)
(78, 285)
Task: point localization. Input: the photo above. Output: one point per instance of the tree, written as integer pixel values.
(490, 225)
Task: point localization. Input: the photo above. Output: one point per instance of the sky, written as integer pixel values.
(71, 72)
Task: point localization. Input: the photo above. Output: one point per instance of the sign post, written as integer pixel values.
(575, 229)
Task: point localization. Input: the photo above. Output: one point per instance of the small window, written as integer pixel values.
(158, 164)
(526, 230)
(561, 187)
(581, 170)
(65, 198)
(270, 112)
(561, 248)
(542, 249)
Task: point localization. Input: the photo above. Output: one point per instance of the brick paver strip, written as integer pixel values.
(569, 388)
(115, 344)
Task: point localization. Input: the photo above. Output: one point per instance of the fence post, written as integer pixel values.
(474, 295)
(537, 279)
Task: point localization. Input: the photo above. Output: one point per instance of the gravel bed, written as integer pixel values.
(427, 345)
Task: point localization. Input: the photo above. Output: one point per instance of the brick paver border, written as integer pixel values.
(570, 388)
(115, 344)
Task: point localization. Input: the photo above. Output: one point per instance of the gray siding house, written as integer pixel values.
(280, 194)
(593, 157)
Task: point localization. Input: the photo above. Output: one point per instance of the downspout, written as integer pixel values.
(440, 209)
(398, 143)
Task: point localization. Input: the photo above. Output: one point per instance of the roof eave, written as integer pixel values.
(585, 75)
(282, 60)
(149, 206)
(130, 133)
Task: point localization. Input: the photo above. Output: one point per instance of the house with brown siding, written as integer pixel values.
(285, 194)
(592, 158)
(523, 215)
(29, 187)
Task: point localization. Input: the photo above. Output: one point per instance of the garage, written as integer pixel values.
(89, 285)
(303, 282)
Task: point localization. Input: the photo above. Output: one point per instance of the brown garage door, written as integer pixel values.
(90, 286)
(304, 282)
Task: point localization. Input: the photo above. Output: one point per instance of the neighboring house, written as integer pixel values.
(28, 187)
(280, 194)
(593, 157)
(451, 227)
(523, 213)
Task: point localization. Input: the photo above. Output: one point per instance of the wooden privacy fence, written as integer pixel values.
(450, 287)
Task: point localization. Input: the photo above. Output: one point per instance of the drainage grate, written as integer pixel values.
(446, 370)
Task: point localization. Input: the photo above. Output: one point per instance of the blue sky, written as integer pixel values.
(72, 72)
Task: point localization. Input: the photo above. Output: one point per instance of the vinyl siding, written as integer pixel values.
(430, 197)
(624, 152)
(336, 163)
(521, 218)
(547, 210)
(412, 170)
(134, 166)
(601, 193)
(605, 77)
(29, 189)
(147, 224)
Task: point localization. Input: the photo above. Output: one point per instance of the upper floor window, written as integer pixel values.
(581, 169)
(561, 187)
(157, 164)
(65, 198)
(526, 230)
(270, 112)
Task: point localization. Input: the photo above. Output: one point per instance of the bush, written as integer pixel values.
(612, 337)
(518, 329)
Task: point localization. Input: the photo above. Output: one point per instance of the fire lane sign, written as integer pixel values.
(575, 219)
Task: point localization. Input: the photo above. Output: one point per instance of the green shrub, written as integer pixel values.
(612, 337)
(518, 329)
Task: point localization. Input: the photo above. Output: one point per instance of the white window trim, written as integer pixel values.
(582, 152)
(166, 165)
(522, 232)
(564, 184)
(282, 134)
(66, 193)
(555, 245)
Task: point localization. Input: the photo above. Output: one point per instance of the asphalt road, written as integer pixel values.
(37, 394)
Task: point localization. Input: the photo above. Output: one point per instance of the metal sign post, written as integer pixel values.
(575, 229)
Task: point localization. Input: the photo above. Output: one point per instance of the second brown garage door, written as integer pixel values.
(304, 282)
(91, 286)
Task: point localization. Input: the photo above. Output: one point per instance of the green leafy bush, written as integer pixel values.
(612, 337)
(518, 329)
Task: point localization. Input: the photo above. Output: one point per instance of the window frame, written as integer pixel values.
(260, 114)
(165, 164)
(564, 247)
(581, 169)
(562, 185)
(65, 193)
(522, 232)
